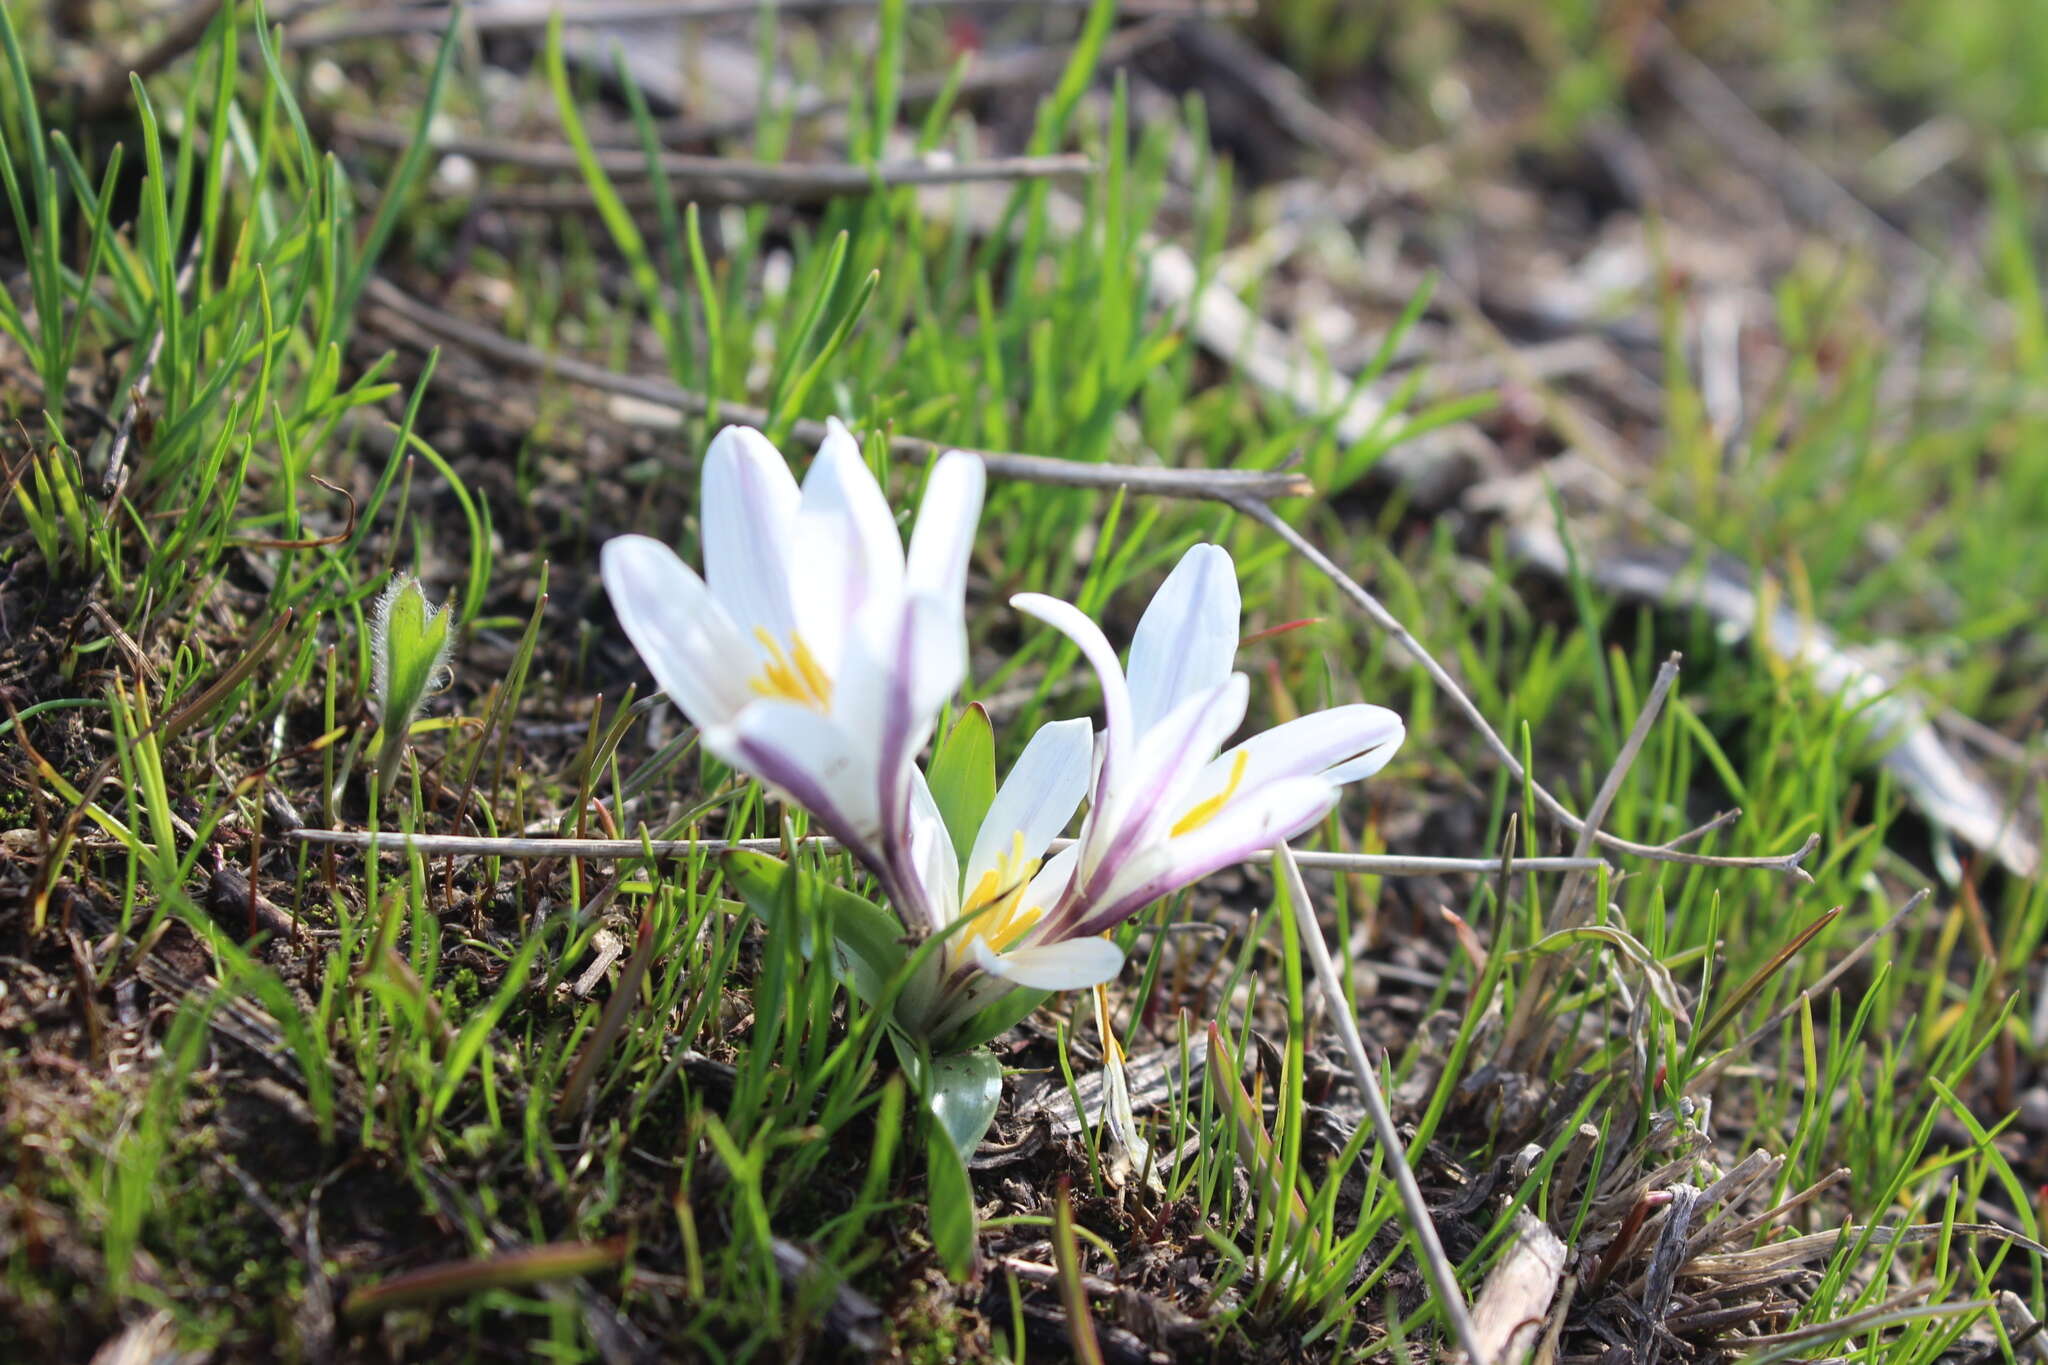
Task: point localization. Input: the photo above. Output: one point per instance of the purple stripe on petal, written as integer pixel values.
(892, 761)
(1156, 783)
(1182, 742)
(1245, 827)
(801, 767)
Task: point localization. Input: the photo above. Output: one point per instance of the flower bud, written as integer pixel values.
(410, 640)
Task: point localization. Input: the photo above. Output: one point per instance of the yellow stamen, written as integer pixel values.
(997, 900)
(1202, 812)
(793, 675)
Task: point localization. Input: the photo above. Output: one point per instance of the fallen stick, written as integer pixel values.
(1429, 1248)
(530, 16)
(1787, 863)
(436, 845)
(1220, 485)
(713, 179)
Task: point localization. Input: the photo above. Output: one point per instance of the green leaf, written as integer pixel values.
(964, 1090)
(392, 194)
(997, 1019)
(950, 1195)
(963, 777)
(1255, 1148)
(410, 641)
(868, 947)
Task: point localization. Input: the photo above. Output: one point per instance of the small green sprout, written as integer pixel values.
(410, 642)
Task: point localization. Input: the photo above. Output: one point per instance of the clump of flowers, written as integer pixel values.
(816, 655)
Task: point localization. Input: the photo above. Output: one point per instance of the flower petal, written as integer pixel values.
(814, 763)
(1046, 888)
(846, 542)
(1243, 827)
(944, 534)
(686, 638)
(1175, 752)
(1341, 744)
(902, 662)
(1187, 637)
(1070, 621)
(935, 894)
(931, 652)
(1369, 762)
(1069, 966)
(1038, 797)
(1157, 787)
(748, 518)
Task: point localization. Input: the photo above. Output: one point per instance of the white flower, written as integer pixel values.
(812, 654)
(1005, 890)
(1165, 808)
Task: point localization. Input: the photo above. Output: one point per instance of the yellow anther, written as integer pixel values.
(792, 675)
(1202, 812)
(997, 900)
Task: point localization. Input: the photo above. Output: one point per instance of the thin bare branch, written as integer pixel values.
(529, 16)
(1712, 1237)
(483, 846)
(1681, 575)
(1891, 1313)
(1787, 863)
(1693, 836)
(1564, 911)
(985, 71)
(1237, 487)
(1429, 1248)
(715, 179)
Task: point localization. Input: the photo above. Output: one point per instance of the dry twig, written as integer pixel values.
(1513, 1303)
(529, 16)
(1946, 787)
(1429, 1248)
(714, 179)
(1787, 863)
(1234, 486)
(483, 846)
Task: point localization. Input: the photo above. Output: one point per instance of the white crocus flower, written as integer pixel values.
(1165, 808)
(1005, 889)
(812, 654)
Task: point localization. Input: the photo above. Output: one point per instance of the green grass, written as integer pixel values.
(253, 1135)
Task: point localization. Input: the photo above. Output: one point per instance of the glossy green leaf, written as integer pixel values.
(963, 1092)
(868, 947)
(963, 777)
(992, 1021)
(949, 1194)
